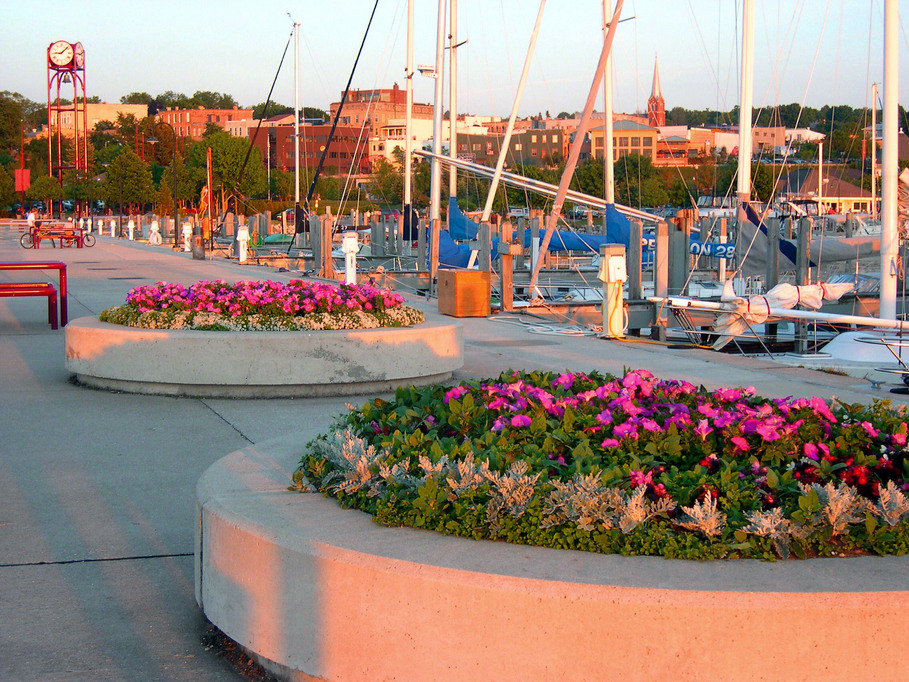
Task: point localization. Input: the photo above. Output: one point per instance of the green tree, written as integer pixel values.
(128, 180)
(274, 109)
(387, 182)
(282, 184)
(212, 100)
(187, 183)
(44, 188)
(762, 182)
(228, 154)
(7, 189)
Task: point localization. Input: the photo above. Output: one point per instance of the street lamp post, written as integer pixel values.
(173, 172)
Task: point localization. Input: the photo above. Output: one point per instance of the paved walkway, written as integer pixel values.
(97, 488)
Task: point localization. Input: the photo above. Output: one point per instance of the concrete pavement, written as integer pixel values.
(97, 488)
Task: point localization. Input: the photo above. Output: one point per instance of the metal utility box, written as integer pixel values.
(464, 293)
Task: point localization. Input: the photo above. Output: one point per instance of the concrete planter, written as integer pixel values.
(260, 364)
(312, 589)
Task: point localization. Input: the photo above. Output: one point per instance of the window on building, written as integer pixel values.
(533, 138)
(623, 141)
(518, 146)
(648, 141)
(477, 146)
(543, 139)
(635, 141)
(533, 151)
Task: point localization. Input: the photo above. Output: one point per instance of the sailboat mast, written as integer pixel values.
(509, 129)
(745, 106)
(873, 151)
(575, 151)
(453, 97)
(608, 167)
(435, 178)
(408, 115)
(889, 165)
(296, 118)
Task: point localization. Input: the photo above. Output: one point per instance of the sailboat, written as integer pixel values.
(880, 346)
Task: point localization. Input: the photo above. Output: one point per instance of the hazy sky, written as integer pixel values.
(816, 51)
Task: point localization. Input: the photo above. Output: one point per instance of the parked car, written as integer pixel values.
(518, 212)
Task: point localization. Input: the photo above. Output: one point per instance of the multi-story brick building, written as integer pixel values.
(348, 146)
(375, 108)
(191, 122)
(532, 147)
(95, 113)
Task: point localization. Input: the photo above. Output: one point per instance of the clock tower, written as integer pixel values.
(65, 69)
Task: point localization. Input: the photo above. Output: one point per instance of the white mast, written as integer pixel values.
(889, 165)
(820, 177)
(608, 167)
(296, 117)
(453, 98)
(435, 187)
(745, 106)
(408, 115)
(575, 151)
(873, 150)
(506, 141)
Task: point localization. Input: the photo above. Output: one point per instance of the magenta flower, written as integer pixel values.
(455, 393)
(703, 429)
(741, 445)
(520, 421)
(870, 430)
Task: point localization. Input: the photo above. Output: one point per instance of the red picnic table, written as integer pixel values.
(47, 265)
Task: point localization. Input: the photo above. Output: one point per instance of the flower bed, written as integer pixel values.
(262, 306)
(630, 465)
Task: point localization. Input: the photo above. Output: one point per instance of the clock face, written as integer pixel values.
(80, 55)
(60, 53)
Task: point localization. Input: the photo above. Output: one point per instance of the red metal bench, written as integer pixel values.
(16, 289)
(45, 265)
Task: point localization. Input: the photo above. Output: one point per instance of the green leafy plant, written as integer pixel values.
(629, 465)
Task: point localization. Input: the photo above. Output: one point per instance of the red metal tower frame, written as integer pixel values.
(61, 71)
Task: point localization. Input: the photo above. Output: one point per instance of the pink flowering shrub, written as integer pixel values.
(630, 464)
(268, 304)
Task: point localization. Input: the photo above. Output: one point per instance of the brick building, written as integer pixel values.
(347, 146)
(191, 122)
(376, 108)
(95, 113)
(530, 147)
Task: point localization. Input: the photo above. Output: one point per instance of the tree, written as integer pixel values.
(128, 180)
(212, 100)
(211, 129)
(387, 182)
(274, 109)
(762, 181)
(228, 154)
(44, 188)
(282, 184)
(7, 189)
(187, 183)
(137, 98)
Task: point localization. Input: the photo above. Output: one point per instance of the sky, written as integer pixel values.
(808, 51)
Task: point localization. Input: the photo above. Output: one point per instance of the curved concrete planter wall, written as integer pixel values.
(260, 364)
(311, 588)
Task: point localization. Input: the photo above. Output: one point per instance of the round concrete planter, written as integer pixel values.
(260, 364)
(312, 589)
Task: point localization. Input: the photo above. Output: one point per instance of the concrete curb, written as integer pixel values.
(261, 364)
(313, 589)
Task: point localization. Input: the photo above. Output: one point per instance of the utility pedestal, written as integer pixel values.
(613, 274)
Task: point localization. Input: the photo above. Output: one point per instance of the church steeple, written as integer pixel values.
(656, 107)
